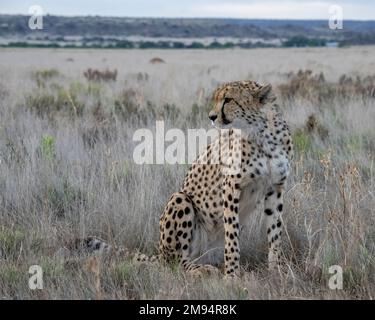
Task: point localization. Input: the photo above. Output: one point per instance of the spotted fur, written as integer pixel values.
(247, 164)
(204, 218)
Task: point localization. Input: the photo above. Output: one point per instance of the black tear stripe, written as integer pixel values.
(224, 119)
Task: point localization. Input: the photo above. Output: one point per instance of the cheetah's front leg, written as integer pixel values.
(273, 207)
(231, 196)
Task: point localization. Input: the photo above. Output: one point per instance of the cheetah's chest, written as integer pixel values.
(250, 199)
(269, 172)
(278, 169)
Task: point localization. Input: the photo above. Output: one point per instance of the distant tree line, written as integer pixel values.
(301, 41)
(296, 41)
(141, 45)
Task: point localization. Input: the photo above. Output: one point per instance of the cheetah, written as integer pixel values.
(203, 219)
(248, 163)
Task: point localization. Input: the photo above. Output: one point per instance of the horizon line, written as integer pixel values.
(182, 17)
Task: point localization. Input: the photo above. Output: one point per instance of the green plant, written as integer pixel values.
(354, 143)
(41, 103)
(352, 279)
(170, 112)
(127, 107)
(41, 76)
(123, 272)
(98, 75)
(11, 274)
(301, 41)
(11, 241)
(302, 141)
(197, 113)
(46, 104)
(48, 147)
(67, 100)
(51, 267)
(63, 198)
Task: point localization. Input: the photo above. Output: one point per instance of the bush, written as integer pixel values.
(305, 85)
(127, 106)
(10, 242)
(48, 147)
(302, 141)
(97, 75)
(11, 275)
(48, 104)
(60, 198)
(41, 76)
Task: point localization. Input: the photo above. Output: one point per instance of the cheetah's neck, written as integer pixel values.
(264, 126)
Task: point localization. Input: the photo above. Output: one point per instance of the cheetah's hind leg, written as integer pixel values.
(178, 224)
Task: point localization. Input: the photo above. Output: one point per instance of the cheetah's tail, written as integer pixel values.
(95, 246)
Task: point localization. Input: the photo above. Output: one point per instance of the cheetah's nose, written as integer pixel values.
(213, 117)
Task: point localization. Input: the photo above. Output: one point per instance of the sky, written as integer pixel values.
(248, 9)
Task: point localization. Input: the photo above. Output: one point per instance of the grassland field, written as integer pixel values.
(67, 171)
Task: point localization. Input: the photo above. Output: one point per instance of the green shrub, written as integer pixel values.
(48, 147)
(60, 198)
(41, 103)
(67, 100)
(170, 112)
(354, 143)
(301, 141)
(41, 76)
(100, 75)
(51, 267)
(301, 41)
(123, 272)
(127, 108)
(352, 279)
(47, 104)
(11, 275)
(11, 241)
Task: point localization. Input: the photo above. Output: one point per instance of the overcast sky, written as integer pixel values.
(273, 9)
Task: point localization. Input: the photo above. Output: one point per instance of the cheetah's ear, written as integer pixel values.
(265, 94)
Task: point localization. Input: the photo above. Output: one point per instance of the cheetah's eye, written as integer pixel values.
(227, 100)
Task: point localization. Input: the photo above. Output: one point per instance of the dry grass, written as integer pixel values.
(66, 169)
(97, 75)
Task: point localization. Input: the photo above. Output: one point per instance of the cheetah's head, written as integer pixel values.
(236, 104)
